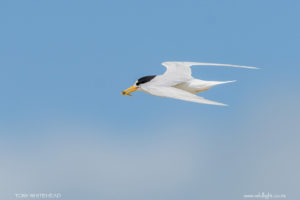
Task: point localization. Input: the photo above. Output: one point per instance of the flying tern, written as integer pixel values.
(177, 82)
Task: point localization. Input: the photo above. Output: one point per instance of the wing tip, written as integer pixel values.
(165, 63)
(249, 67)
(222, 104)
(216, 103)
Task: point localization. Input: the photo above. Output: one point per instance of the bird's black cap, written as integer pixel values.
(145, 79)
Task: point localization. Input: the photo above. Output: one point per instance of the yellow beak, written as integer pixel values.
(129, 90)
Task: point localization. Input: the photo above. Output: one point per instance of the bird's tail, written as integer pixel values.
(223, 82)
(213, 83)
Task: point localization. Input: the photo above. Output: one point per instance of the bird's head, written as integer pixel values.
(137, 85)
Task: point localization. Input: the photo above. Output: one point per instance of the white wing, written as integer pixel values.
(178, 72)
(175, 93)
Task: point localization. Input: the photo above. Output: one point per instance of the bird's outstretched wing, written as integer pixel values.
(178, 72)
(175, 93)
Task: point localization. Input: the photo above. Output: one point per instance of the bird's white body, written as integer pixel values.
(193, 85)
(177, 82)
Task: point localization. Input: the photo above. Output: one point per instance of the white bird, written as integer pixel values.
(177, 82)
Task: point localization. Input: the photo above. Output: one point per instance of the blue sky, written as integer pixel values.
(66, 128)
